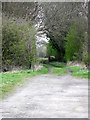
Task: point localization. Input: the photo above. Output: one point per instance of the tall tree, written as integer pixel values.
(74, 42)
(59, 17)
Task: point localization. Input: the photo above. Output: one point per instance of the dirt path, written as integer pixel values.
(49, 96)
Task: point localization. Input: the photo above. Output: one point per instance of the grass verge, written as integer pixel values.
(59, 71)
(79, 72)
(12, 79)
(58, 64)
(57, 68)
(61, 68)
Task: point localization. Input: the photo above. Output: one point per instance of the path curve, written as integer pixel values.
(49, 96)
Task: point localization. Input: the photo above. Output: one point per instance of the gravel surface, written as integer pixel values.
(49, 96)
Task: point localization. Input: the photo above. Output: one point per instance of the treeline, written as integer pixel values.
(76, 47)
(18, 35)
(67, 26)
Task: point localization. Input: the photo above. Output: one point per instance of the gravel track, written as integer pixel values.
(49, 96)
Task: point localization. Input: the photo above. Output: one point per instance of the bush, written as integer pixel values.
(74, 42)
(14, 45)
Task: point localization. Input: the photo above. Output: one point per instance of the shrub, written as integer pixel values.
(74, 42)
(15, 50)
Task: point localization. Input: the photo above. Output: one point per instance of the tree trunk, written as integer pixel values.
(33, 66)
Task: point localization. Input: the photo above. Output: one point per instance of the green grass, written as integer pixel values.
(59, 71)
(82, 73)
(10, 80)
(57, 68)
(61, 68)
(58, 64)
(47, 65)
(74, 68)
(78, 72)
